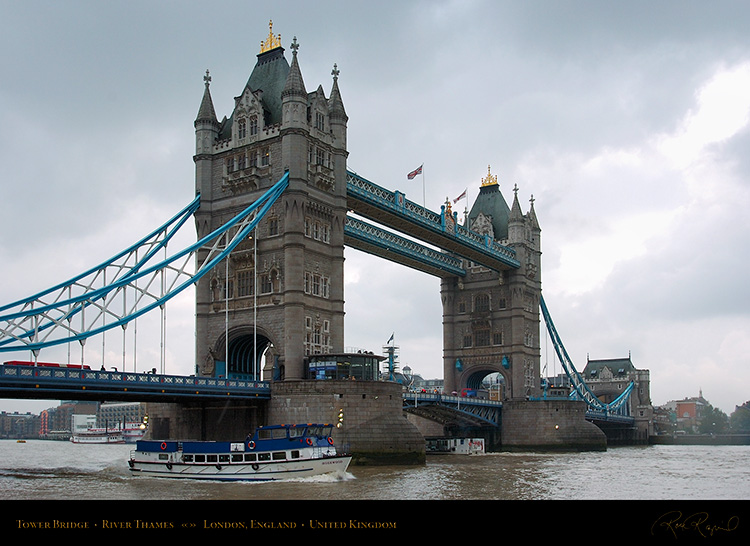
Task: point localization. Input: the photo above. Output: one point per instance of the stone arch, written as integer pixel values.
(246, 347)
(473, 378)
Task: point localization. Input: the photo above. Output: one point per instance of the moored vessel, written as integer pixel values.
(98, 436)
(275, 452)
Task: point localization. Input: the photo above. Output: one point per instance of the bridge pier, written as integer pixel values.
(549, 424)
(373, 428)
(205, 421)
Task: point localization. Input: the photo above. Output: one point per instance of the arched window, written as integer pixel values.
(481, 303)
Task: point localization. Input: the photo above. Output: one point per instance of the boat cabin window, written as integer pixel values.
(211, 458)
(236, 457)
(296, 432)
(187, 458)
(320, 432)
(163, 456)
(279, 455)
(250, 457)
(200, 458)
(264, 456)
(294, 454)
(223, 458)
(274, 433)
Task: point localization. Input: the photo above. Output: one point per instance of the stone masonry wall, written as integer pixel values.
(549, 424)
(374, 428)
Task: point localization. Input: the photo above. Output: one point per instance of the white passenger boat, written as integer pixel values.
(275, 452)
(98, 436)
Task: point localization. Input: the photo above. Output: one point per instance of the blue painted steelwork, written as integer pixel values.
(40, 382)
(581, 391)
(388, 245)
(31, 323)
(442, 230)
(487, 411)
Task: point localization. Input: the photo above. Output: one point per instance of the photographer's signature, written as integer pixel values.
(677, 524)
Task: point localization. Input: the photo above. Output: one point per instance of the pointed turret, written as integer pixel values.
(516, 220)
(335, 104)
(206, 112)
(336, 111)
(206, 133)
(294, 85)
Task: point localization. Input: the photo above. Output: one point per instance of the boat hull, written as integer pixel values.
(276, 452)
(97, 439)
(272, 471)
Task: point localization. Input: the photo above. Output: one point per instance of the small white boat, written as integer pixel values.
(276, 452)
(457, 446)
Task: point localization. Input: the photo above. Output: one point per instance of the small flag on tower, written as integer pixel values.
(415, 172)
(457, 199)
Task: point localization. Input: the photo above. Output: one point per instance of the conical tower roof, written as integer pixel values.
(335, 104)
(206, 112)
(294, 85)
(491, 204)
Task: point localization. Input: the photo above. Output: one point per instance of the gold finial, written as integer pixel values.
(491, 179)
(272, 42)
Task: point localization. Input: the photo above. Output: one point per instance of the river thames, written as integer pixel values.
(61, 471)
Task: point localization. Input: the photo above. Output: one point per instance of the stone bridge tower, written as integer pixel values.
(490, 318)
(280, 294)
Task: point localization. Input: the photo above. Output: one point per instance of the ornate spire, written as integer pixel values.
(206, 112)
(272, 42)
(490, 180)
(294, 85)
(515, 209)
(336, 105)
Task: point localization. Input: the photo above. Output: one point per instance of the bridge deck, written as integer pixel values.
(392, 209)
(37, 382)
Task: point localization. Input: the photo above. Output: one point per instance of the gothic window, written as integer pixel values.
(467, 341)
(461, 306)
(252, 158)
(497, 338)
(317, 285)
(318, 230)
(481, 303)
(242, 161)
(230, 164)
(245, 283)
(317, 337)
(266, 286)
(273, 226)
(242, 128)
(253, 125)
(319, 121)
(265, 157)
(482, 337)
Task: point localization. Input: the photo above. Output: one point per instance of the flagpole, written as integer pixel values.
(424, 193)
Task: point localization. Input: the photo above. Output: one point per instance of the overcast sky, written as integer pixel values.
(626, 121)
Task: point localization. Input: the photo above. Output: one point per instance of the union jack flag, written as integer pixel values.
(414, 173)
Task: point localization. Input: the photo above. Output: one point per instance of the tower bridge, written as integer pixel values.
(275, 206)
